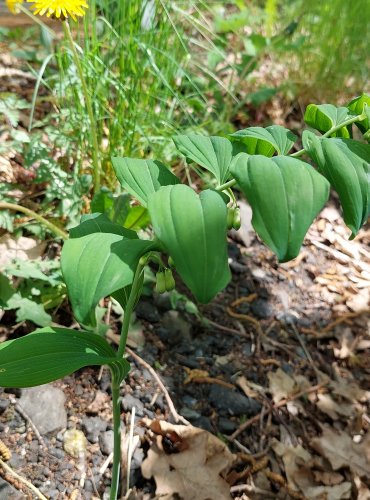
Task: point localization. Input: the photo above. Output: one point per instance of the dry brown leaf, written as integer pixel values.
(327, 478)
(21, 248)
(349, 390)
(195, 473)
(341, 451)
(327, 405)
(281, 385)
(294, 458)
(338, 492)
(249, 388)
(363, 492)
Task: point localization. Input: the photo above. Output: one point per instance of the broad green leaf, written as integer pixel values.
(265, 141)
(99, 223)
(142, 177)
(323, 117)
(116, 208)
(286, 195)
(193, 230)
(137, 218)
(346, 165)
(212, 153)
(27, 309)
(358, 106)
(96, 265)
(52, 353)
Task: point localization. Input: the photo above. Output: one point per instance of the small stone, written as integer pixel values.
(129, 401)
(230, 402)
(8, 492)
(261, 308)
(93, 426)
(178, 328)
(45, 407)
(146, 310)
(79, 391)
(4, 404)
(189, 414)
(106, 442)
(226, 426)
(75, 443)
(203, 423)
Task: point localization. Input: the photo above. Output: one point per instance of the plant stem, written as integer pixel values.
(52, 227)
(130, 306)
(331, 131)
(93, 131)
(117, 437)
(227, 185)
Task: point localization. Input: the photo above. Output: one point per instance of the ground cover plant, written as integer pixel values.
(193, 241)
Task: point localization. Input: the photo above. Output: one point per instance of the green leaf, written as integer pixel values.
(116, 208)
(358, 106)
(96, 265)
(99, 223)
(193, 230)
(265, 141)
(323, 117)
(52, 353)
(137, 218)
(346, 165)
(286, 195)
(28, 310)
(142, 177)
(212, 153)
(6, 290)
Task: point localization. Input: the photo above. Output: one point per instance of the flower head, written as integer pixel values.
(13, 5)
(59, 8)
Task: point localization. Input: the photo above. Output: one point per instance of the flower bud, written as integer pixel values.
(169, 280)
(160, 284)
(237, 220)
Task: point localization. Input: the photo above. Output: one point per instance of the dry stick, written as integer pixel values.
(171, 406)
(281, 403)
(29, 485)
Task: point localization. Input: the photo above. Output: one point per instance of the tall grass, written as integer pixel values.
(333, 62)
(135, 59)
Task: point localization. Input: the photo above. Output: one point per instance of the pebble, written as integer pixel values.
(8, 492)
(129, 401)
(93, 426)
(230, 402)
(203, 423)
(226, 426)
(261, 308)
(4, 403)
(148, 311)
(45, 407)
(106, 440)
(189, 414)
(176, 327)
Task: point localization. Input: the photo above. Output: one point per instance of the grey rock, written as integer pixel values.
(189, 414)
(178, 329)
(129, 401)
(146, 310)
(225, 425)
(4, 403)
(93, 426)
(7, 492)
(45, 407)
(230, 402)
(261, 309)
(163, 301)
(137, 458)
(106, 440)
(203, 423)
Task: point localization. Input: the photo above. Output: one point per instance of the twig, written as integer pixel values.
(130, 450)
(29, 485)
(281, 403)
(305, 350)
(176, 416)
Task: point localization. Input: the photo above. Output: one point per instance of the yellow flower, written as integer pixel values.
(59, 8)
(13, 5)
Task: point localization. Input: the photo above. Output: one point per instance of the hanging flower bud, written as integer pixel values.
(160, 284)
(171, 262)
(230, 217)
(237, 220)
(169, 280)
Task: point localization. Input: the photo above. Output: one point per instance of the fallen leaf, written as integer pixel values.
(327, 478)
(363, 492)
(341, 451)
(21, 248)
(281, 385)
(327, 405)
(338, 492)
(193, 474)
(294, 458)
